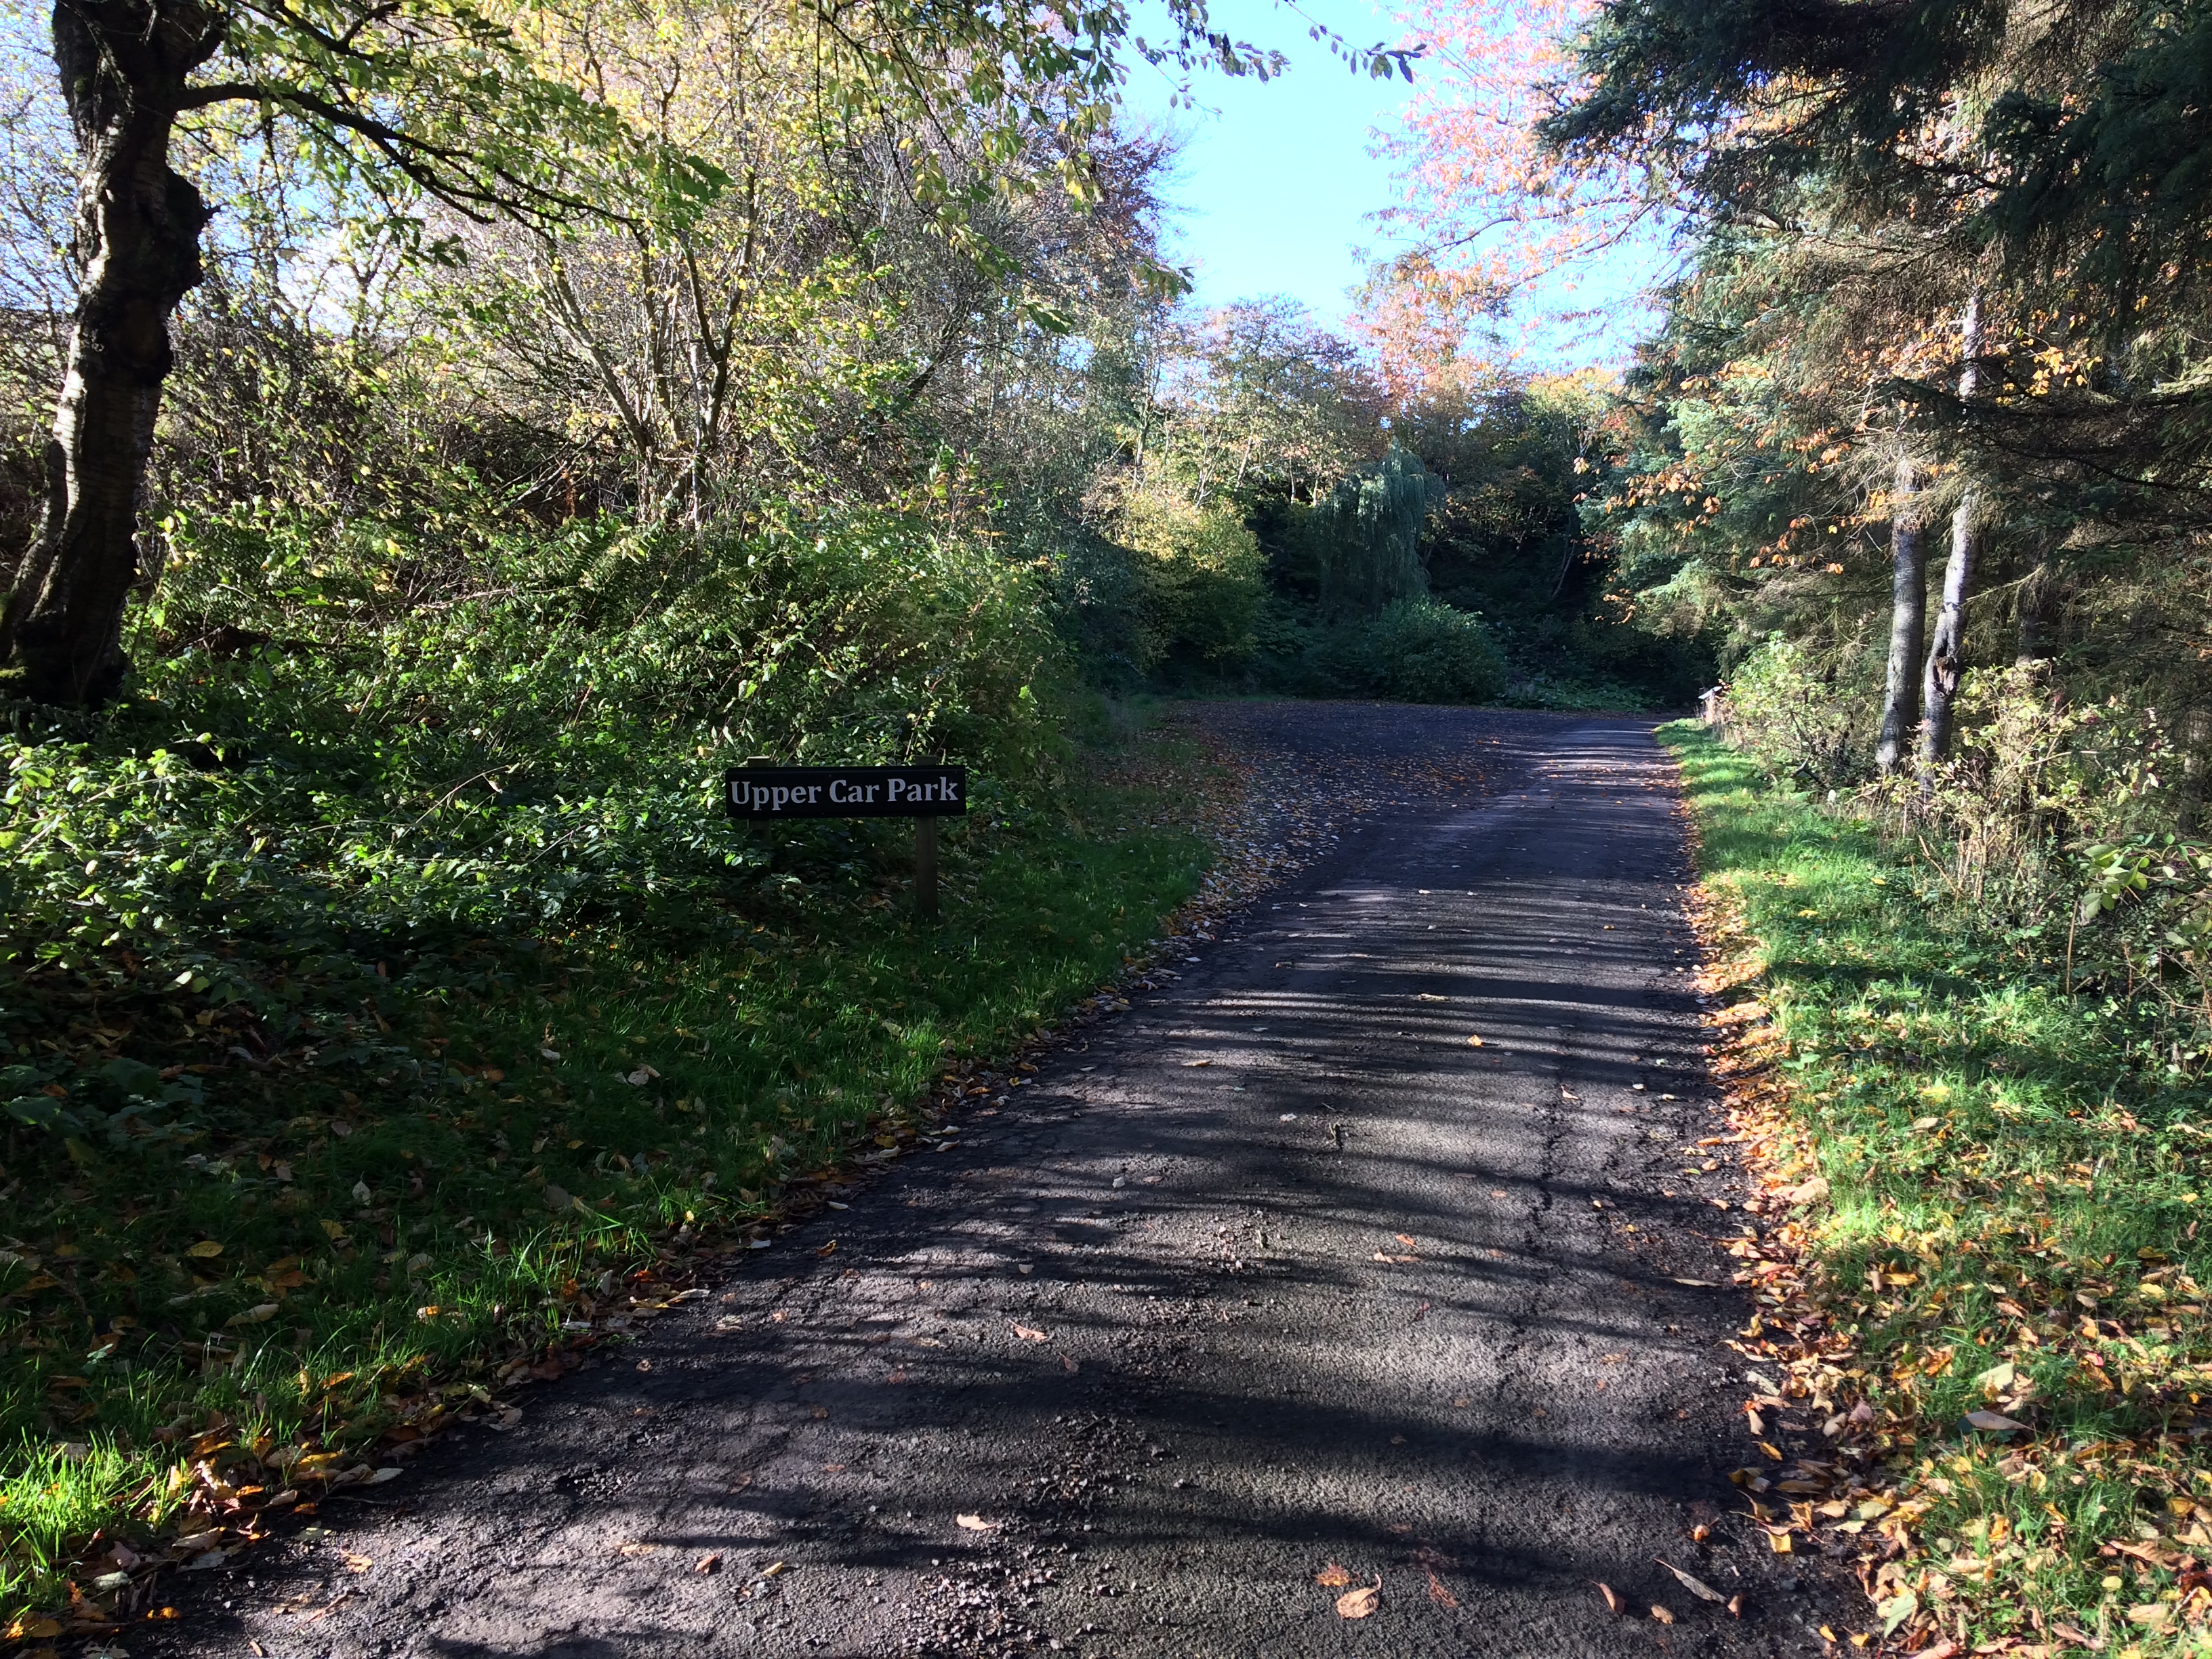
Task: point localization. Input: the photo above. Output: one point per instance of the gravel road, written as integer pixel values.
(1275, 1273)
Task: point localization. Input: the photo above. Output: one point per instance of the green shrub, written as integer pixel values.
(1416, 651)
(1200, 580)
(1791, 710)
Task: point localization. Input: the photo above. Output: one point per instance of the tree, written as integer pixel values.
(436, 101)
(406, 104)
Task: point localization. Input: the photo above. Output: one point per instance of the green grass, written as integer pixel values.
(2017, 1163)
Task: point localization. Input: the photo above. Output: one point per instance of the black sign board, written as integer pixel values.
(848, 792)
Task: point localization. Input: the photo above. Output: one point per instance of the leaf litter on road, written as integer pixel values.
(1361, 1602)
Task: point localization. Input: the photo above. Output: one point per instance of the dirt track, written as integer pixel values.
(1275, 1272)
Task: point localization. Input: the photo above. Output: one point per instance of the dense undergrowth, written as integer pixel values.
(377, 1000)
(2008, 1221)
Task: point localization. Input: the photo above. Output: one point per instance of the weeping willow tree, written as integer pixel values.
(1368, 534)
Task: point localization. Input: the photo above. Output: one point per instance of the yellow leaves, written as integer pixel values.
(206, 1250)
(1332, 1577)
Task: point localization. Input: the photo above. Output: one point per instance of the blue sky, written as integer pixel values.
(1276, 187)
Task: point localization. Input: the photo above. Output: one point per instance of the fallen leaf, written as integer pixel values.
(205, 1249)
(1697, 1587)
(356, 1563)
(1664, 1615)
(709, 1563)
(1407, 1240)
(974, 1523)
(255, 1316)
(1359, 1603)
(636, 1549)
(1992, 1422)
(1189, 1064)
(1029, 1335)
(556, 1197)
(1474, 1042)
(1440, 1593)
(1332, 1577)
(1067, 1364)
(641, 1076)
(1736, 1606)
(1612, 1602)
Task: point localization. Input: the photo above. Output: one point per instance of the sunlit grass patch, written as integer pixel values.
(2010, 1227)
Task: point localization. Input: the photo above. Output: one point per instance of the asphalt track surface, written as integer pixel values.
(1274, 1273)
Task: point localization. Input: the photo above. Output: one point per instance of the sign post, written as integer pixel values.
(758, 791)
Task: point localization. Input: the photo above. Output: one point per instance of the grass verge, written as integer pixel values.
(271, 1222)
(1980, 1272)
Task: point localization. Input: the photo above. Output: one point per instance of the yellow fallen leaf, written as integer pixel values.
(1359, 1603)
(1663, 1614)
(1332, 1577)
(974, 1523)
(1612, 1602)
(1191, 1065)
(206, 1249)
(1027, 1334)
(1474, 1042)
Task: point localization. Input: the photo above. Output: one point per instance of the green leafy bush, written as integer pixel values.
(1198, 579)
(1416, 651)
(1787, 706)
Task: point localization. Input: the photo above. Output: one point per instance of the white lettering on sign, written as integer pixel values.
(843, 791)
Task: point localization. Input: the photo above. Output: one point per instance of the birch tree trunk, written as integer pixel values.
(124, 65)
(1908, 610)
(1946, 651)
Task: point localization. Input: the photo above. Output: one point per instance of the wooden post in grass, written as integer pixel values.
(925, 869)
(760, 789)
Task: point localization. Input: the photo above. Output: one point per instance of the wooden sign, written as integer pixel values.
(848, 792)
(924, 794)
